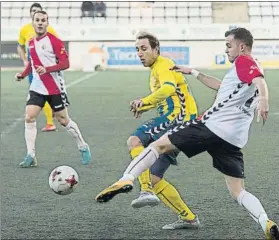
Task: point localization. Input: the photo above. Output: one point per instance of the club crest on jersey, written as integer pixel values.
(43, 46)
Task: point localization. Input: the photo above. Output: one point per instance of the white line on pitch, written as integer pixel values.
(17, 121)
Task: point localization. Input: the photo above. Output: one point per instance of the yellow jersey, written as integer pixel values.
(27, 32)
(169, 92)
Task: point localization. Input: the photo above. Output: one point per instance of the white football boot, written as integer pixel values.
(180, 224)
(145, 199)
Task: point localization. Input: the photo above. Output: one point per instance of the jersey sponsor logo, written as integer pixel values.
(244, 110)
(62, 50)
(252, 68)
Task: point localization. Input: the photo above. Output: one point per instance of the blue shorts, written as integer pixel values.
(149, 132)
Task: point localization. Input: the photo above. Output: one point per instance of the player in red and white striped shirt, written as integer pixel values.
(48, 58)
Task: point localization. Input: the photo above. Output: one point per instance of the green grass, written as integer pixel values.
(30, 210)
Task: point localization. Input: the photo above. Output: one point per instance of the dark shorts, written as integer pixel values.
(194, 137)
(162, 164)
(150, 131)
(57, 102)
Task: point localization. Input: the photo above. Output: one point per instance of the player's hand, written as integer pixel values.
(135, 104)
(262, 110)
(40, 69)
(18, 77)
(181, 69)
(137, 114)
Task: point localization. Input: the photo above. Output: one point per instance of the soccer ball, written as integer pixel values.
(63, 180)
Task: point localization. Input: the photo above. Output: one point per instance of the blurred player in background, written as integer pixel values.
(222, 130)
(170, 95)
(48, 58)
(26, 33)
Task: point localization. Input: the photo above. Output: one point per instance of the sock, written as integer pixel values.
(73, 130)
(30, 137)
(142, 162)
(172, 199)
(48, 113)
(136, 151)
(144, 178)
(145, 181)
(254, 207)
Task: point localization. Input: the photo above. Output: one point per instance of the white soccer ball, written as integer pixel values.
(63, 180)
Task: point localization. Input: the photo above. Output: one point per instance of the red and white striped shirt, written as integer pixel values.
(47, 51)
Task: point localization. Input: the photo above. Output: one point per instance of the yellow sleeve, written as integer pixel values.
(161, 94)
(52, 31)
(168, 87)
(21, 38)
(146, 108)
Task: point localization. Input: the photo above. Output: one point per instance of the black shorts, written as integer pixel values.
(194, 137)
(162, 164)
(57, 102)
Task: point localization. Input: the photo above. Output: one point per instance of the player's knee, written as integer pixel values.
(161, 145)
(154, 179)
(63, 120)
(29, 118)
(133, 142)
(235, 186)
(235, 193)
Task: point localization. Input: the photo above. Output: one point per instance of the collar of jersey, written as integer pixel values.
(39, 38)
(156, 61)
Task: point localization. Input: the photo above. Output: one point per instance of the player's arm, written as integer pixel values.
(61, 55)
(261, 86)
(26, 72)
(167, 89)
(248, 72)
(146, 108)
(21, 47)
(209, 81)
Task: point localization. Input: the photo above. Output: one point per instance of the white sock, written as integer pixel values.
(73, 130)
(30, 137)
(142, 162)
(254, 207)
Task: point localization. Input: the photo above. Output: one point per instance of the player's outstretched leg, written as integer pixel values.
(31, 114)
(147, 196)
(253, 206)
(73, 129)
(144, 161)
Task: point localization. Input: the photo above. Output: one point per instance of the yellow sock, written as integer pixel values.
(48, 113)
(144, 178)
(171, 198)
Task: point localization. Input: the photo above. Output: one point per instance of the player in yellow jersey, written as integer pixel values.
(26, 33)
(174, 103)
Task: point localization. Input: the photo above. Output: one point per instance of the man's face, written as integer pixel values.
(234, 48)
(146, 54)
(33, 10)
(40, 23)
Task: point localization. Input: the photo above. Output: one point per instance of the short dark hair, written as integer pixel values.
(153, 40)
(241, 34)
(42, 12)
(37, 5)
